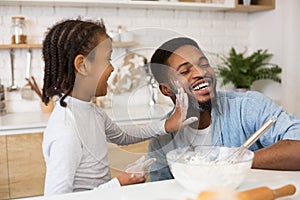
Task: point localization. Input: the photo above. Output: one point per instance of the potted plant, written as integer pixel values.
(243, 70)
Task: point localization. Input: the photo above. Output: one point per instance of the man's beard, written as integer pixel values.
(202, 106)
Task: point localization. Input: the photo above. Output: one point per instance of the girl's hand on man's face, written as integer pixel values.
(178, 119)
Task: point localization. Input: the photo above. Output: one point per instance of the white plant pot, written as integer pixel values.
(246, 2)
(241, 89)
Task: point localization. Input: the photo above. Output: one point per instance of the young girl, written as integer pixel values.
(77, 66)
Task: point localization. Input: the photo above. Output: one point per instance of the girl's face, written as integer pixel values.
(100, 67)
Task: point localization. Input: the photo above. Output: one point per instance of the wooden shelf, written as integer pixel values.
(255, 6)
(20, 46)
(38, 46)
(124, 44)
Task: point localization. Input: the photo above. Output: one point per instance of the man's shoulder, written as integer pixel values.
(254, 95)
(233, 102)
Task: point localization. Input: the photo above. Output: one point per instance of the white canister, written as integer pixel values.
(246, 2)
(126, 36)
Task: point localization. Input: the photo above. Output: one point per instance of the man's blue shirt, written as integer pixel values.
(235, 117)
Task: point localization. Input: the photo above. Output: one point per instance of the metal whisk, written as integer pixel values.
(251, 140)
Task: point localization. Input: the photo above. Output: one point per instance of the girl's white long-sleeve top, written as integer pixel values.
(75, 146)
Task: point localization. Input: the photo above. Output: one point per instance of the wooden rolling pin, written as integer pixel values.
(260, 193)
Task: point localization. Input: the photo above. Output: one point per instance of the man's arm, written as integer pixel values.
(279, 147)
(283, 155)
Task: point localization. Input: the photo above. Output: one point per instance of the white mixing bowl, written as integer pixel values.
(210, 167)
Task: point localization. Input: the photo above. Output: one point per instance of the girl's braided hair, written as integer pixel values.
(63, 42)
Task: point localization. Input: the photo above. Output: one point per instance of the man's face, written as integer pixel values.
(195, 73)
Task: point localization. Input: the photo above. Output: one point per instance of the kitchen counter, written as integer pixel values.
(35, 122)
(170, 189)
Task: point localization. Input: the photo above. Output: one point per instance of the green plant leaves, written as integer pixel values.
(243, 70)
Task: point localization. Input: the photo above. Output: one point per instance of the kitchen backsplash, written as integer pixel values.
(216, 32)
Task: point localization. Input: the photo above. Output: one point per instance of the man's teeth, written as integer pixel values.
(201, 86)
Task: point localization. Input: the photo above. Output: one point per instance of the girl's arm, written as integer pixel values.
(133, 134)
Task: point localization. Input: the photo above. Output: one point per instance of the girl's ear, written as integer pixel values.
(80, 66)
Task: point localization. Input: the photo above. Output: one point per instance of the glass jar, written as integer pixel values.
(18, 30)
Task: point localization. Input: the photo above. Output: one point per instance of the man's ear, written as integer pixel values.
(80, 66)
(165, 90)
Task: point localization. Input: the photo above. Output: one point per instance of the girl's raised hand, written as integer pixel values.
(178, 119)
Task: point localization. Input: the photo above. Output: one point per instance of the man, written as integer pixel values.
(225, 118)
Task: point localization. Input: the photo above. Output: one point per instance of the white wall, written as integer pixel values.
(278, 31)
(291, 49)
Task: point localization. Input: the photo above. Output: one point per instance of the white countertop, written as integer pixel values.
(171, 190)
(23, 122)
(35, 122)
